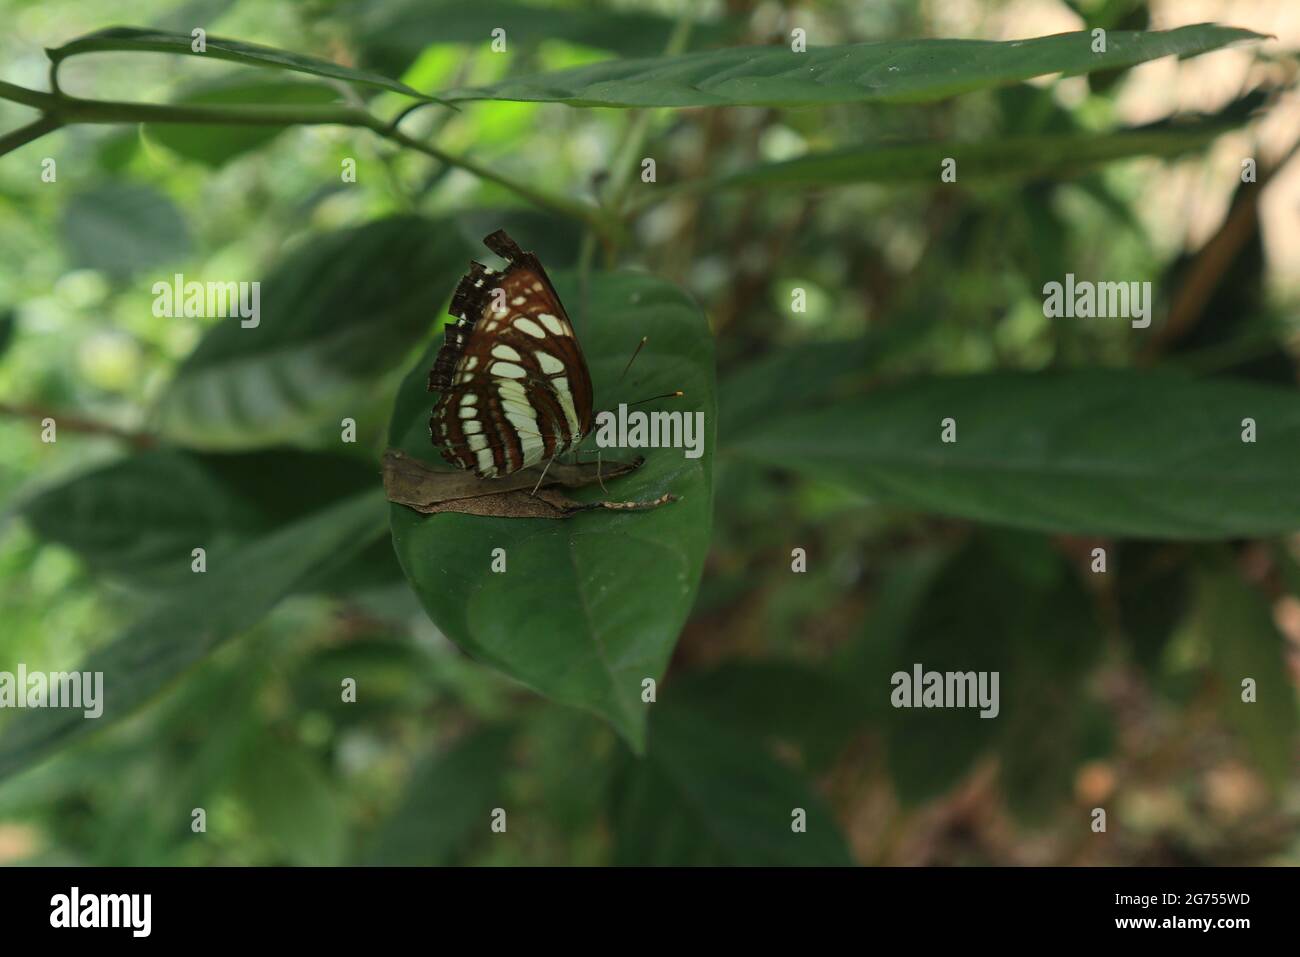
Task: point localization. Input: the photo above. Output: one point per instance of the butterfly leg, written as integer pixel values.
(542, 476)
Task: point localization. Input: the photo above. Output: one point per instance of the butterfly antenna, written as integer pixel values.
(636, 352)
(667, 395)
(599, 477)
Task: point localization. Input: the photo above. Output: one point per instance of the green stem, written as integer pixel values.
(61, 110)
(25, 134)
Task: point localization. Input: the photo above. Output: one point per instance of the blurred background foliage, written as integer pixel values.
(1119, 690)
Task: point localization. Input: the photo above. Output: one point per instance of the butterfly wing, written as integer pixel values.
(514, 385)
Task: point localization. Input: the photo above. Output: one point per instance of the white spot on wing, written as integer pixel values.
(550, 365)
(508, 370)
(552, 324)
(524, 324)
(503, 351)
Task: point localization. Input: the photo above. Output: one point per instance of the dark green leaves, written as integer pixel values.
(219, 603)
(907, 71)
(136, 40)
(591, 606)
(704, 794)
(121, 228)
(1089, 452)
(335, 315)
(138, 519)
(1012, 157)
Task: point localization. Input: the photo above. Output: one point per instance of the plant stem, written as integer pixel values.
(25, 134)
(77, 423)
(61, 110)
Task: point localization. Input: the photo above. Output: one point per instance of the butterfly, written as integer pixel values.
(513, 385)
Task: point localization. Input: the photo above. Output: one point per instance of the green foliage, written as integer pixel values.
(340, 321)
(122, 228)
(1105, 453)
(914, 71)
(1007, 157)
(828, 539)
(135, 40)
(217, 145)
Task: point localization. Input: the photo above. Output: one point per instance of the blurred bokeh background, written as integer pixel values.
(1136, 715)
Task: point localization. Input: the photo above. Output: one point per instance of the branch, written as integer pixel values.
(25, 134)
(61, 110)
(75, 423)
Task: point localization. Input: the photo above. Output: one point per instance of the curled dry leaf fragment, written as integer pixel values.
(419, 486)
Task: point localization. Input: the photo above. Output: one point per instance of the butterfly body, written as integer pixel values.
(514, 388)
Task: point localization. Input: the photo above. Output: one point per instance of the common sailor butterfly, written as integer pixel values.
(513, 385)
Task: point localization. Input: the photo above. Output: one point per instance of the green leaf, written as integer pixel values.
(392, 35)
(215, 145)
(1049, 155)
(1089, 452)
(121, 228)
(591, 606)
(907, 71)
(137, 519)
(137, 40)
(449, 799)
(335, 316)
(226, 600)
(704, 794)
(1237, 625)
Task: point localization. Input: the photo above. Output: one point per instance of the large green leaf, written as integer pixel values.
(1052, 155)
(121, 228)
(138, 519)
(906, 71)
(1089, 452)
(335, 316)
(214, 145)
(195, 620)
(138, 40)
(705, 794)
(591, 606)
